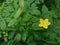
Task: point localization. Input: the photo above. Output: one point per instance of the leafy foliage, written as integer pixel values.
(19, 21)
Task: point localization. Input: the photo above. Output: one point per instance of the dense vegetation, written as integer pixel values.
(20, 19)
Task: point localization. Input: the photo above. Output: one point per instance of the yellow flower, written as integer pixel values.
(44, 23)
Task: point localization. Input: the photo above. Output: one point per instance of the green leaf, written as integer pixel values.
(9, 1)
(30, 41)
(33, 43)
(44, 10)
(51, 42)
(35, 12)
(37, 1)
(37, 36)
(21, 3)
(18, 13)
(26, 17)
(12, 22)
(35, 26)
(58, 39)
(42, 1)
(9, 8)
(17, 37)
(24, 36)
(2, 23)
(0, 35)
(11, 35)
(3, 43)
(10, 42)
(15, 5)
